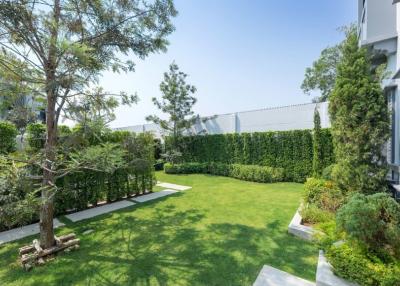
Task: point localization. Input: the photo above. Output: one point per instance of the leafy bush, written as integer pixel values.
(36, 136)
(290, 150)
(8, 132)
(327, 172)
(252, 173)
(313, 215)
(374, 221)
(18, 204)
(186, 168)
(351, 263)
(323, 194)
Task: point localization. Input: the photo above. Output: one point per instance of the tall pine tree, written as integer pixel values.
(360, 121)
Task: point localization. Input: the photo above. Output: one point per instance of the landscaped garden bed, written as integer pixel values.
(220, 232)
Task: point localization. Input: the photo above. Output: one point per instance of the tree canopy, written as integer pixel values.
(68, 44)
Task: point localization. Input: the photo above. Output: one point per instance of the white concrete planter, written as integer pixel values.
(325, 275)
(300, 230)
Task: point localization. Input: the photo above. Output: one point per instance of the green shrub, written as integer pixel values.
(351, 263)
(36, 136)
(313, 215)
(252, 173)
(290, 150)
(323, 194)
(8, 132)
(327, 172)
(18, 204)
(374, 221)
(187, 168)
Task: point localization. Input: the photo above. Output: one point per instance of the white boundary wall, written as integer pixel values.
(294, 117)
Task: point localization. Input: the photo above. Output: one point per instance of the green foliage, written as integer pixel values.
(253, 173)
(8, 133)
(313, 215)
(290, 150)
(18, 204)
(374, 221)
(262, 174)
(322, 75)
(177, 102)
(36, 136)
(351, 262)
(317, 147)
(327, 172)
(360, 121)
(323, 194)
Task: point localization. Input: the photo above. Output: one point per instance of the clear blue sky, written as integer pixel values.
(240, 54)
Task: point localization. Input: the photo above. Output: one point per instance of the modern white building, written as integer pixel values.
(379, 28)
(300, 116)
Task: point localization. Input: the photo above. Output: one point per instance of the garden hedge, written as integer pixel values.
(261, 174)
(8, 133)
(290, 150)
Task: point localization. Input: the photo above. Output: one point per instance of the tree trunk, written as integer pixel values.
(48, 186)
(47, 206)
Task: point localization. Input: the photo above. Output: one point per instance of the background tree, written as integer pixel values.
(20, 100)
(317, 146)
(322, 74)
(360, 121)
(69, 43)
(177, 102)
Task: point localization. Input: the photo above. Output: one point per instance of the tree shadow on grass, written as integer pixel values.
(174, 247)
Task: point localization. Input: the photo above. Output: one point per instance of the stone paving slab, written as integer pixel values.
(21, 232)
(89, 213)
(153, 196)
(173, 186)
(270, 276)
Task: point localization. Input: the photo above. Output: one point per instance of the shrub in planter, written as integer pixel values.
(313, 215)
(374, 221)
(323, 194)
(8, 132)
(351, 263)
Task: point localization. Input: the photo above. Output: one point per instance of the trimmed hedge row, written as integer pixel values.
(77, 190)
(290, 150)
(8, 132)
(262, 174)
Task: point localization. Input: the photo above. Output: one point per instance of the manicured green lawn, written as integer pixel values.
(221, 232)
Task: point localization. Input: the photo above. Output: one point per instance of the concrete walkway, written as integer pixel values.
(89, 213)
(153, 196)
(270, 276)
(21, 232)
(173, 186)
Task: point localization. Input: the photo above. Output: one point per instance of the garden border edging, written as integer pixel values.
(297, 229)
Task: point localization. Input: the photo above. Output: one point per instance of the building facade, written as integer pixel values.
(283, 118)
(379, 27)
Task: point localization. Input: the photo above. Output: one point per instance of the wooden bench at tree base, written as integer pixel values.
(33, 254)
